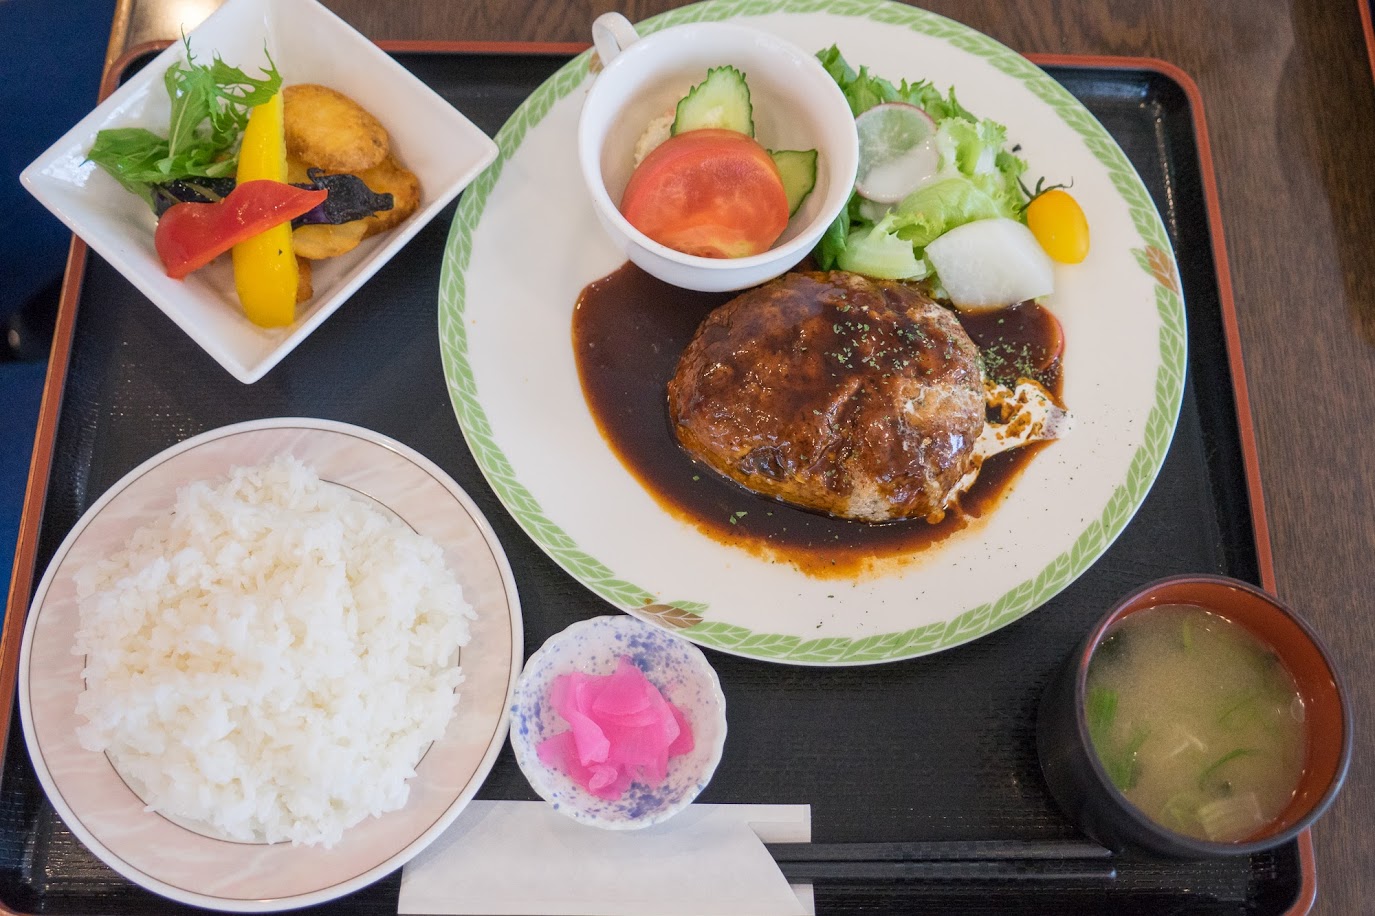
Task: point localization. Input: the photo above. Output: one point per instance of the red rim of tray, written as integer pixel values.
(41, 464)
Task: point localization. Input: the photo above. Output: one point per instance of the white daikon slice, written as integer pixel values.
(991, 263)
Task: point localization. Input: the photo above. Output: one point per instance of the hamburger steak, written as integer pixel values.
(853, 397)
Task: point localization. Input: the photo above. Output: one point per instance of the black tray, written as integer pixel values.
(937, 748)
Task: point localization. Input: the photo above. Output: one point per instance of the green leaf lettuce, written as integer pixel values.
(977, 179)
(210, 106)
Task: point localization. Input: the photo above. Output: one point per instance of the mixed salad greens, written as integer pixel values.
(960, 173)
(210, 109)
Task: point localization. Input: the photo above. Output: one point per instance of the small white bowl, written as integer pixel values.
(309, 44)
(796, 106)
(672, 664)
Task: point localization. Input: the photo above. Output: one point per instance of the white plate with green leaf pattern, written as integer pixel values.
(525, 242)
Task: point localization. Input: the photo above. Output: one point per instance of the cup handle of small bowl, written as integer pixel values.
(612, 33)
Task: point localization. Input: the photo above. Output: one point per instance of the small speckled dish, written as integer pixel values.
(672, 664)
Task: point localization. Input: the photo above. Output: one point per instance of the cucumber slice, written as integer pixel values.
(722, 100)
(798, 169)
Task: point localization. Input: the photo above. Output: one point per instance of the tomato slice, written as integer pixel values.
(712, 193)
(190, 235)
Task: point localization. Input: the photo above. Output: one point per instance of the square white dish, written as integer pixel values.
(308, 44)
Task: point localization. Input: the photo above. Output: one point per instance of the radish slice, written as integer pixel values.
(990, 263)
(625, 698)
(561, 753)
(588, 737)
(683, 744)
(896, 153)
(622, 730)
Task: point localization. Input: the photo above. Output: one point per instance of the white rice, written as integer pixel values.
(272, 658)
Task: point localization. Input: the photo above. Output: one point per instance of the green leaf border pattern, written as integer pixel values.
(833, 650)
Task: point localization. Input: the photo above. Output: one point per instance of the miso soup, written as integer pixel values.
(1196, 722)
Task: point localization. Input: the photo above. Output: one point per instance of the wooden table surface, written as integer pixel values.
(1290, 107)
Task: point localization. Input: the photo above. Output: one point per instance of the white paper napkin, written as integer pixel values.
(503, 858)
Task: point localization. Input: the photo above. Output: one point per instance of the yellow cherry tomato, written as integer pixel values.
(1058, 223)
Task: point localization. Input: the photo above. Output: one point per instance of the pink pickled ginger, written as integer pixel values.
(621, 730)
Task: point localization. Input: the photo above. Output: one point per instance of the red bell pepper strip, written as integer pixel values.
(191, 235)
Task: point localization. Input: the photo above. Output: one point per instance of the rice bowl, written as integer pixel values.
(271, 658)
(192, 861)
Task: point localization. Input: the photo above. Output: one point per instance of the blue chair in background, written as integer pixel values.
(50, 61)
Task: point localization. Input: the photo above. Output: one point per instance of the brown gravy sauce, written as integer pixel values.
(628, 332)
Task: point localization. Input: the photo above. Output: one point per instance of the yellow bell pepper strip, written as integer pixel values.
(265, 271)
(191, 235)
